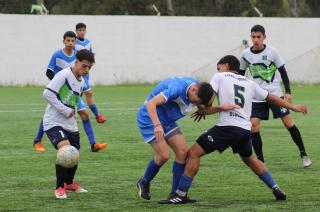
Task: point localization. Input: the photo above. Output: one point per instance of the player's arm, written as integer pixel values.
(51, 96)
(286, 83)
(152, 111)
(273, 99)
(243, 65)
(49, 74)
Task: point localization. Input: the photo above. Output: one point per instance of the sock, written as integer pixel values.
(151, 171)
(70, 174)
(296, 137)
(40, 133)
(89, 131)
(267, 179)
(177, 172)
(184, 185)
(61, 176)
(257, 145)
(94, 109)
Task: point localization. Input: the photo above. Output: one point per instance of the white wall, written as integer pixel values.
(146, 49)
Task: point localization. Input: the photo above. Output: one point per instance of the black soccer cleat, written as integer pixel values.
(279, 195)
(174, 198)
(144, 190)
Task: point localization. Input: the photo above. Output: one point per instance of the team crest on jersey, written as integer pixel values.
(264, 57)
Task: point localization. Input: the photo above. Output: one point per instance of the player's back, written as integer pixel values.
(233, 88)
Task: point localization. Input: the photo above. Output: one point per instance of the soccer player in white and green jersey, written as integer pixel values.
(263, 61)
(59, 121)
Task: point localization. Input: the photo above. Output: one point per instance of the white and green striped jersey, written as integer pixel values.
(62, 94)
(263, 67)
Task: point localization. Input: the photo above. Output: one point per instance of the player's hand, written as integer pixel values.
(300, 108)
(159, 132)
(198, 115)
(229, 107)
(288, 97)
(72, 112)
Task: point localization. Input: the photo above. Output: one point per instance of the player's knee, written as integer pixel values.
(88, 94)
(255, 127)
(183, 152)
(84, 115)
(288, 123)
(163, 157)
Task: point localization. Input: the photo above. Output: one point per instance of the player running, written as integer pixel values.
(232, 129)
(84, 43)
(59, 121)
(263, 61)
(61, 59)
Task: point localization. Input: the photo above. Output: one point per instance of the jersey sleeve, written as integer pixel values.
(259, 93)
(52, 63)
(243, 62)
(277, 59)
(172, 92)
(215, 82)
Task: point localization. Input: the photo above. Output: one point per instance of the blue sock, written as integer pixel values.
(151, 171)
(177, 172)
(89, 131)
(94, 109)
(184, 185)
(267, 179)
(40, 132)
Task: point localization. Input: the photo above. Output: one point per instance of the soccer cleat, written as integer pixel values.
(172, 195)
(144, 190)
(98, 146)
(74, 187)
(176, 199)
(60, 193)
(38, 146)
(306, 161)
(280, 195)
(100, 119)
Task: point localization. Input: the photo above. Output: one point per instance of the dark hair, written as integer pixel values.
(258, 28)
(205, 92)
(69, 34)
(80, 25)
(232, 61)
(85, 54)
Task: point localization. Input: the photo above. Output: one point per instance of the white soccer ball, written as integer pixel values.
(67, 156)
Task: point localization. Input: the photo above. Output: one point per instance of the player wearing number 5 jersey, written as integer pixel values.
(263, 61)
(233, 127)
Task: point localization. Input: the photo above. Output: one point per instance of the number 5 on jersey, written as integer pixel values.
(238, 95)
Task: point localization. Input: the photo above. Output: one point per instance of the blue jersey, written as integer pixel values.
(177, 105)
(60, 60)
(85, 44)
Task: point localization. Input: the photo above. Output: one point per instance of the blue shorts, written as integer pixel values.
(81, 104)
(261, 110)
(147, 131)
(87, 86)
(57, 134)
(221, 137)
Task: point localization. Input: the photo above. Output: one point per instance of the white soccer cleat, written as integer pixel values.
(60, 193)
(306, 161)
(75, 188)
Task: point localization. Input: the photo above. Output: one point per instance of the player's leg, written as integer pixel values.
(37, 143)
(297, 138)
(161, 156)
(90, 101)
(260, 111)
(264, 174)
(95, 147)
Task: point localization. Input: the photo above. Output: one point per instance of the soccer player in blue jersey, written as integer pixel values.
(233, 128)
(168, 102)
(59, 120)
(61, 59)
(83, 43)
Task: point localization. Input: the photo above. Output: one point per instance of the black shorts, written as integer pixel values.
(57, 134)
(261, 110)
(221, 137)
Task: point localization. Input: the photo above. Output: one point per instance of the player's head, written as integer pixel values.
(69, 40)
(201, 94)
(258, 35)
(228, 63)
(81, 30)
(84, 62)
